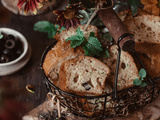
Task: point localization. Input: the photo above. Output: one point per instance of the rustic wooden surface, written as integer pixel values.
(31, 73)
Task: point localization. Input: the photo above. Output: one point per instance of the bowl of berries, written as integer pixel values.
(15, 51)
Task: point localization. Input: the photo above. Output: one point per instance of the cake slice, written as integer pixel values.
(127, 69)
(83, 76)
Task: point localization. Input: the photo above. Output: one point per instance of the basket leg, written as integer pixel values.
(117, 70)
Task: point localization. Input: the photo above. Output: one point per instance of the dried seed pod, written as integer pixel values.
(30, 88)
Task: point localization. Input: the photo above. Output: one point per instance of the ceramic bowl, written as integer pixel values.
(15, 65)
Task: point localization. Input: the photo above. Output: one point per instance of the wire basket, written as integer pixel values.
(117, 103)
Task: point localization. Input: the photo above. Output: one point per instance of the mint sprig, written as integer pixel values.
(47, 27)
(140, 81)
(76, 40)
(92, 46)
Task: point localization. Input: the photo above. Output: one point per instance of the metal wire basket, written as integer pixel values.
(117, 103)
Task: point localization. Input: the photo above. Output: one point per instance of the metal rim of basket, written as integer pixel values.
(49, 84)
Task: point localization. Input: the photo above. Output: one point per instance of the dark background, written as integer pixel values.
(31, 73)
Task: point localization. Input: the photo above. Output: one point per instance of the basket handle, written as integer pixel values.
(117, 29)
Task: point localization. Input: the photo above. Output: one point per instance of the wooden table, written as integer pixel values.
(31, 73)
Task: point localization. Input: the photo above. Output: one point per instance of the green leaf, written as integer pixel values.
(51, 33)
(79, 32)
(134, 6)
(93, 41)
(143, 84)
(42, 26)
(47, 27)
(107, 54)
(137, 82)
(92, 47)
(90, 50)
(87, 52)
(1, 36)
(142, 73)
(72, 38)
(76, 40)
(76, 43)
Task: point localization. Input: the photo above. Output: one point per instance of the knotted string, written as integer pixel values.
(98, 7)
(53, 101)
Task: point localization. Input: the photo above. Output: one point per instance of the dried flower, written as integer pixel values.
(151, 6)
(32, 5)
(70, 16)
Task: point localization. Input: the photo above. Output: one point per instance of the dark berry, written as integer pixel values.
(10, 44)
(19, 52)
(10, 37)
(7, 52)
(4, 58)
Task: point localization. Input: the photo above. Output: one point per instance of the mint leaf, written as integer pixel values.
(76, 40)
(92, 46)
(143, 84)
(91, 50)
(1, 36)
(42, 26)
(87, 52)
(94, 42)
(74, 37)
(51, 33)
(142, 73)
(79, 32)
(134, 5)
(47, 27)
(137, 82)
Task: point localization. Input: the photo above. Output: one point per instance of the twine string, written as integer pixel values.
(98, 7)
(53, 101)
